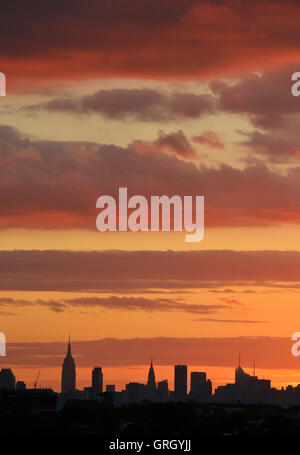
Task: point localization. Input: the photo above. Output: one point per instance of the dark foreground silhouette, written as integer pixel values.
(36, 414)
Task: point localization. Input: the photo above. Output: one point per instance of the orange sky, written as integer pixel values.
(195, 100)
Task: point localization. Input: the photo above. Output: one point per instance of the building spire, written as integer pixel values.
(68, 378)
(151, 384)
(239, 359)
(69, 347)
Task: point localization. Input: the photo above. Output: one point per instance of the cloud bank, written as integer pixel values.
(124, 271)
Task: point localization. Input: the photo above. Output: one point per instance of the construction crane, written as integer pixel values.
(37, 378)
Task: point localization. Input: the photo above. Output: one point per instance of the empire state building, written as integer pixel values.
(151, 384)
(68, 376)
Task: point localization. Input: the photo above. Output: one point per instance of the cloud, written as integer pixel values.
(265, 99)
(277, 144)
(231, 301)
(52, 184)
(230, 321)
(271, 352)
(209, 139)
(154, 39)
(113, 303)
(119, 271)
(174, 143)
(138, 104)
(231, 291)
(141, 303)
(276, 147)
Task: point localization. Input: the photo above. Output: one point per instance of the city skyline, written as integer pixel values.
(28, 359)
(200, 388)
(186, 379)
(246, 388)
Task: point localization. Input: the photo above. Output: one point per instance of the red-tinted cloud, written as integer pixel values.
(264, 97)
(230, 302)
(174, 143)
(271, 352)
(157, 38)
(49, 184)
(209, 139)
(137, 104)
(122, 271)
(266, 100)
(276, 146)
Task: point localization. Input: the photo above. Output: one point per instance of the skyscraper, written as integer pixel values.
(201, 388)
(68, 377)
(7, 379)
(163, 391)
(180, 382)
(197, 380)
(151, 384)
(97, 379)
(135, 392)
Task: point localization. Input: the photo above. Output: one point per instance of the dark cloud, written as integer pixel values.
(113, 303)
(157, 38)
(173, 143)
(142, 304)
(277, 145)
(231, 291)
(209, 139)
(68, 23)
(10, 139)
(265, 97)
(140, 104)
(115, 271)
(230, 321)
(266, 100)
(269, 145)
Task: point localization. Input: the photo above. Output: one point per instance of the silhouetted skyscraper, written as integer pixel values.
(135, 392)
(197, 379)
(151, 384)
(201, 388)
(163, 390)
(97, 379)
(7, 379)
(180, 382)
(246, 389)
(68, 377)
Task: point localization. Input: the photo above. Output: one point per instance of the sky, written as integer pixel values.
(185, 97)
